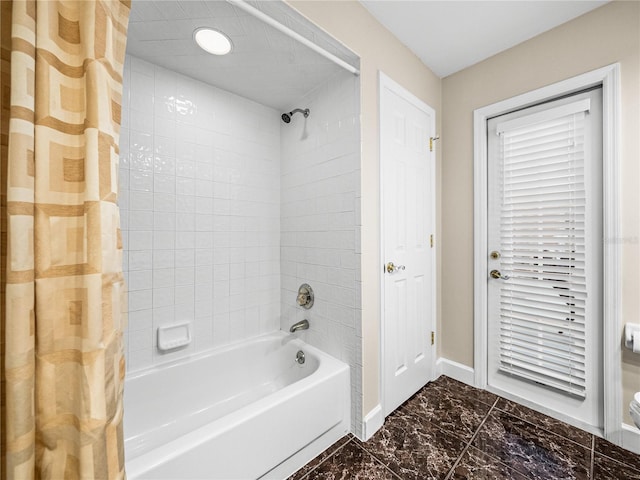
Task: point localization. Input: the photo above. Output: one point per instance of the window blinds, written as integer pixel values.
(542, 234)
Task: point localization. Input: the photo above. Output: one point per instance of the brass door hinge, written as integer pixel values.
(431, 240)
(433, 338)
(431, 140)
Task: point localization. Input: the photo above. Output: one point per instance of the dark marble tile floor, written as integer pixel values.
(449, 430)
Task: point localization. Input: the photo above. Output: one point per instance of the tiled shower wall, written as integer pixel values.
(320, 220)
(200, 206)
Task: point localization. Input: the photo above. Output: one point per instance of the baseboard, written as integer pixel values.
(455, 370)
(631, 438)
(372, 422)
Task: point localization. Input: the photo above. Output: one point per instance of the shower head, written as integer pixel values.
(286, 117)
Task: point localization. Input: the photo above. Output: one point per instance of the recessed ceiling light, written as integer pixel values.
(212, 41)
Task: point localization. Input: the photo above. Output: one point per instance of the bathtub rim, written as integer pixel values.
(191, 357)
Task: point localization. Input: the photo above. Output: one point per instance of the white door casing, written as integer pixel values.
(407, 165)
(609, 78)
(545, 320)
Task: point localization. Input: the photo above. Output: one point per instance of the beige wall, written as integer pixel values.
(604, 36)
(378, 49)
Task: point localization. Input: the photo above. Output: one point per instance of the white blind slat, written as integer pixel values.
(543, 119)
(549, 327)
(555, 343)
(561, 305)
(534, 290)
(540, 367)
(546, 359)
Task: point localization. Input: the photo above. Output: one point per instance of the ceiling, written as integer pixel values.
(265, 65)
(269, 67)
(449, 36)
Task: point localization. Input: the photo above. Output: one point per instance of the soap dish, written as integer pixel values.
(174, 336)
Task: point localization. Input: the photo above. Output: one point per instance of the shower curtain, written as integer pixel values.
(62, 284)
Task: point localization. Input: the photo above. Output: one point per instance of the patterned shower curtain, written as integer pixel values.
(62, 285)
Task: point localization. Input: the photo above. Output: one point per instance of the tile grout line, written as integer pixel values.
(473, 437)
(546, 429)
(362, 446)
(384, 465)
(306, 475)
(612, 459)
(593, 454)
(454, 394)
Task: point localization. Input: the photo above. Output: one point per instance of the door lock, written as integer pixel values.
(494, 255)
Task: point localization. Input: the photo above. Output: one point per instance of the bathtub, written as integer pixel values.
(245, 411)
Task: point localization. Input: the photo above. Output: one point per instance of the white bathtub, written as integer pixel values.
(240, 412)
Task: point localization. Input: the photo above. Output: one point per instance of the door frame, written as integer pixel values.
(609, 78)
(386, 82)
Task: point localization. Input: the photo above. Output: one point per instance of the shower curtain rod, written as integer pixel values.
(296, 36)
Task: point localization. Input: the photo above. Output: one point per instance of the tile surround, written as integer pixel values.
(511, 442)
(320, 193)
(200, 208)
(226, 210)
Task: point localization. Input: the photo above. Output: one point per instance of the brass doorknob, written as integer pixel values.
(392, 268)
(497, 274)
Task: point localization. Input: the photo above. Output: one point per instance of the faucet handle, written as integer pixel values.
(305, 296)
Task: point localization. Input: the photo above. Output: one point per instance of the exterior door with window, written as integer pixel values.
(545, 256)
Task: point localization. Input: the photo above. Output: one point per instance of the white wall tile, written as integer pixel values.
(140, 300)
(163, 259)
(141, 201)
(163, 277)
(140, 220)
(319, 181)
(163, 221)
(140, 260)
(140, 279)
(179, 138)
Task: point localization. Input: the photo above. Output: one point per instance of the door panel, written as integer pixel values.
(544, 284)
(407, 169)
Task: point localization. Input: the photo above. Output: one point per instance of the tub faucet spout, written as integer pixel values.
(301, 325)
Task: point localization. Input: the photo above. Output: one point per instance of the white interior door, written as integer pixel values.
(545, 257)
(408, 223)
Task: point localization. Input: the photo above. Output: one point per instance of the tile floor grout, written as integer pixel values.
(473, 437)
(393, 474)
(547, 430)
(593, 454)
(362, 447)
(334, 452)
